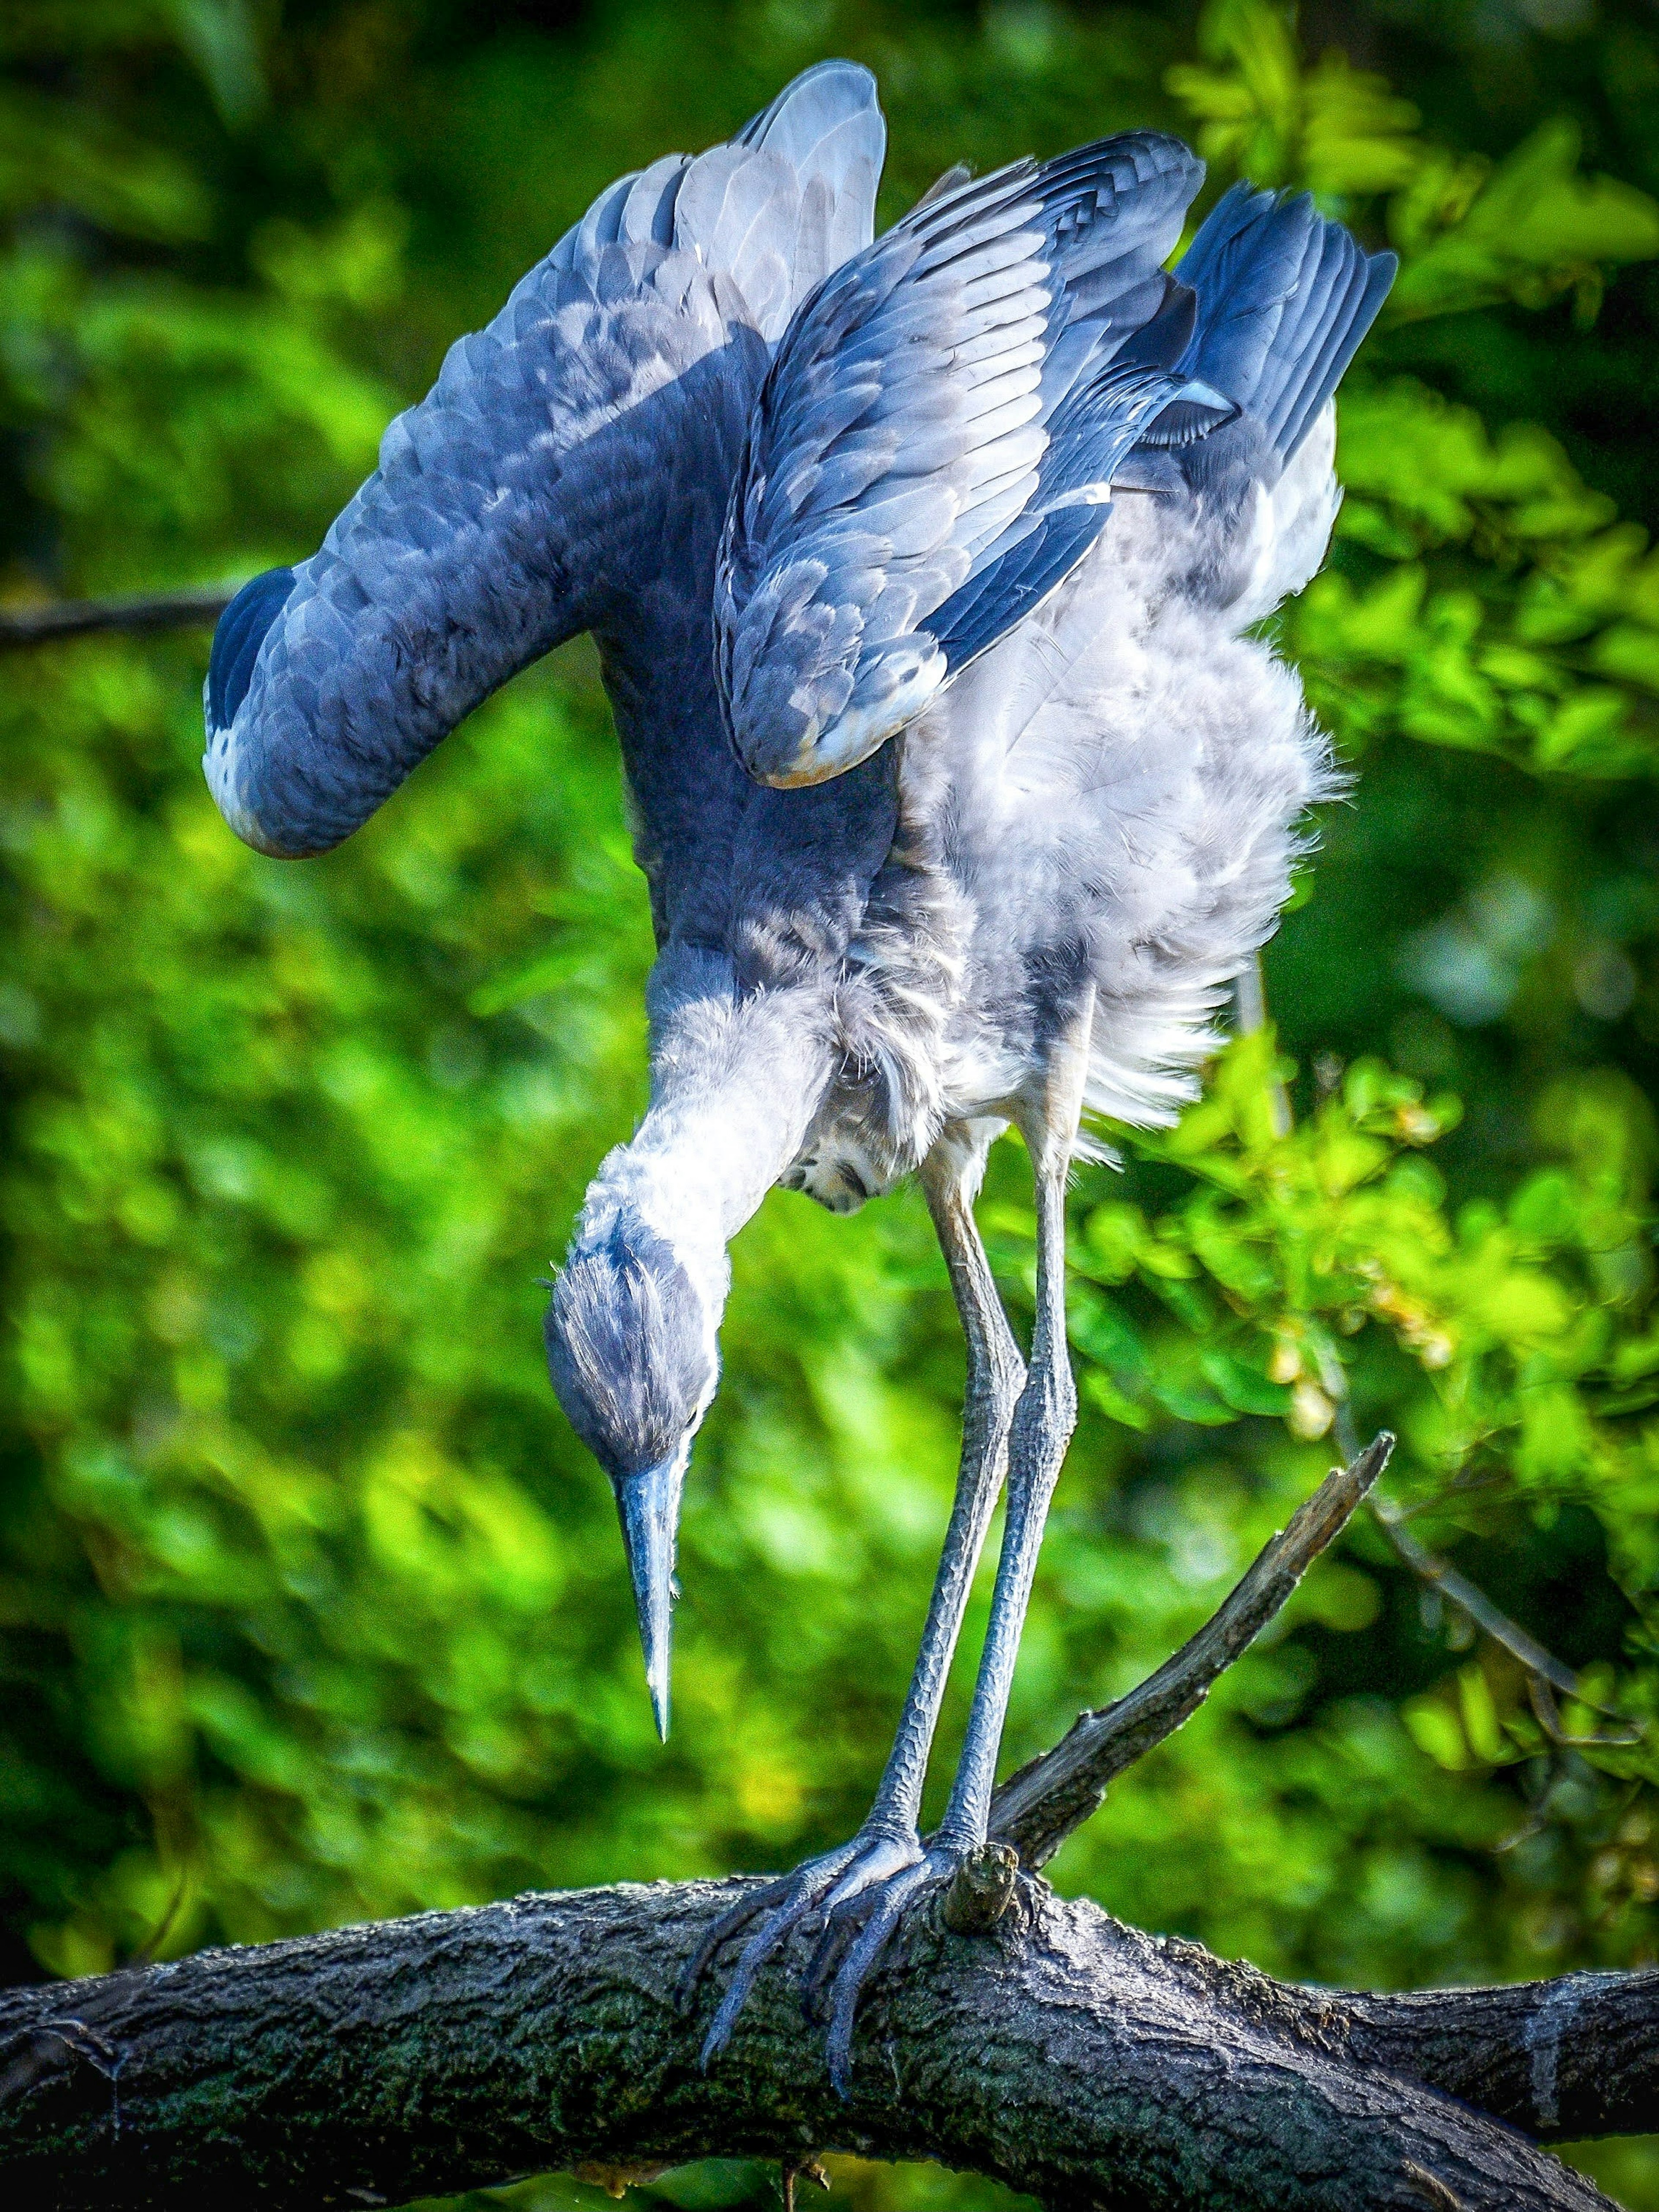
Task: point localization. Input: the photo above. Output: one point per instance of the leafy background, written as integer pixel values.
(310, 1609)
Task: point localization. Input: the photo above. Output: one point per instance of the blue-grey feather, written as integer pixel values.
(993, 601)
(237, 637)
(847, 970)
(527, 496)
(947, 347)
(1089, 436)
(1284, 298)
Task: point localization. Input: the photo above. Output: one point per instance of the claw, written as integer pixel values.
(731, 1923)
(791, 1898)
(839, 1926)
(754, 1958)
(848, 1906)
(863, 1891)
(860, 1962)
(826, 1953)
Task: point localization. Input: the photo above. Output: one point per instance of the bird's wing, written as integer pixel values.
(1284, 297)
(524, 498)
(1125, 770)
(935, 439)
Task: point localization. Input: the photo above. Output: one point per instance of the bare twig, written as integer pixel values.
(789, 2172)
(44, 625)
(1038, 1808)
(1468, 1599)
(1546, 1674)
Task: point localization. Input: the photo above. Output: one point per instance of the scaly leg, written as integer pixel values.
(1041, 1429)
(888, 1841)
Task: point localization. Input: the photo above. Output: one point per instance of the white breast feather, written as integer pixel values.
(1127, 765)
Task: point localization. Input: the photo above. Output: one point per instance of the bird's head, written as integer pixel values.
(632, 1349)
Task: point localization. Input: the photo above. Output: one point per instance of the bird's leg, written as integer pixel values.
(1042, 1428)
(887, 1843)
(996, 1375)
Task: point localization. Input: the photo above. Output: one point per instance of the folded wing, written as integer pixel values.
(525, 498)
(1285, 296)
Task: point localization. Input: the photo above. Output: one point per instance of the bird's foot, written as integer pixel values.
(860, 1893)
(973, 1885)
(818, 1886)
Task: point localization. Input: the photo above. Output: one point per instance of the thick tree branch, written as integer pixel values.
(41, 625)
(1081, 2061)
(1035, 1809)
(1560, 2059)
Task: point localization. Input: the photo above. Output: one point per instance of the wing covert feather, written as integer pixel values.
(921, 433)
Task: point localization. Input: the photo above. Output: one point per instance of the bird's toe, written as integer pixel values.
(730, 1923)
(779, 1907)
(875, 1929)
(755, 1953)
(877, 1862)
(862, 1891)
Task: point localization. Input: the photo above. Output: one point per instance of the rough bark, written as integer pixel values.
(1077, 2059)
(1561, 2059)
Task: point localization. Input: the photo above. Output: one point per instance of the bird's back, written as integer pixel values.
(998, 480)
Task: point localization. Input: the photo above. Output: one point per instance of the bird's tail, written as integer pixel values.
(1284, 297)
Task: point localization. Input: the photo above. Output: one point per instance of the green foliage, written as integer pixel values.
(1468, 232)
(1554, 663)
(313, 1606)
(1500, 663)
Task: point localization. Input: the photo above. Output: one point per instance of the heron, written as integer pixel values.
(924, 572)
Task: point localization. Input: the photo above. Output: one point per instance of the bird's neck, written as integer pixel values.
(735, 1080)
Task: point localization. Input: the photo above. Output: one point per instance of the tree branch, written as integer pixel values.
(42, 625)
(1546, 1674)
(1082, 2061)
(1038, 1809)
(1561, 2059)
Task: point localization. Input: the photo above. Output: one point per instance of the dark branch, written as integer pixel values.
(1082, 2061)
(1038, 1809)
(1546, 1674)
(1561, 2059)
(81, 617)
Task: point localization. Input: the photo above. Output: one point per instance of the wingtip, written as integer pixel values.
(856, 83)
(854, 75)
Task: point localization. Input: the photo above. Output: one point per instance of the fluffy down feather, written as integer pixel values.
(1114, 791)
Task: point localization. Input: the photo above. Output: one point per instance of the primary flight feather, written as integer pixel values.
(921, 570)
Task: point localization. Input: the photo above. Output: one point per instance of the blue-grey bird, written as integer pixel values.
(921, 570)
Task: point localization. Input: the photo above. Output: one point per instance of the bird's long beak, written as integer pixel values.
(650, 1507)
